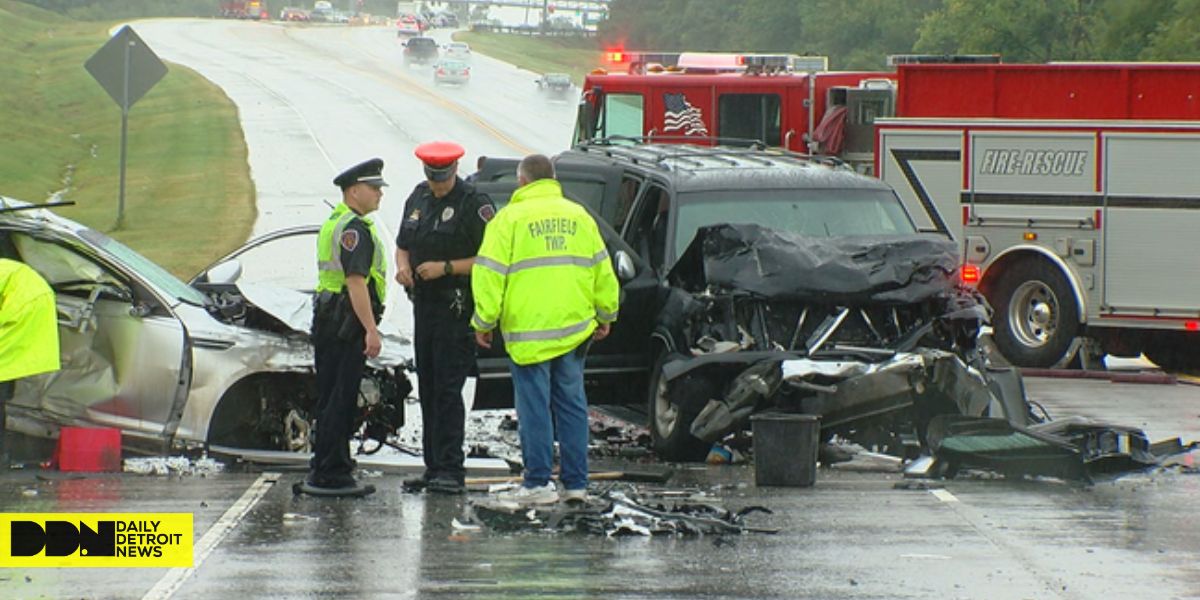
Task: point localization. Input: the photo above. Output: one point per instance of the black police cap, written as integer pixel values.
(369, 172)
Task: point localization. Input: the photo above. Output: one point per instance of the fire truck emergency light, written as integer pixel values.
(616, 56)
(970, 274)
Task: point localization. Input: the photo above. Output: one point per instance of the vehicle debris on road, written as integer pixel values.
(620, 512)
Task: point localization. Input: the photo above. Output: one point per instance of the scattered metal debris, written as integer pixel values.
(618, 513)
(167, 465)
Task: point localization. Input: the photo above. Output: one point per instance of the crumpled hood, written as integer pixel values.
(787, 266)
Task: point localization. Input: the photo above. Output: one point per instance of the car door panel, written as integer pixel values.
(122, 360)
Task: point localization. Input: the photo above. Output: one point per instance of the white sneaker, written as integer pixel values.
(524, 496)
(579, 495)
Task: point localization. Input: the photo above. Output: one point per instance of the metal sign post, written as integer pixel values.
(126, 68)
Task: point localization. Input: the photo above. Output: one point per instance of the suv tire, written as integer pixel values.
(672, 406)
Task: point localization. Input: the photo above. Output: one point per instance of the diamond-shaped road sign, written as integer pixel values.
(126, 68)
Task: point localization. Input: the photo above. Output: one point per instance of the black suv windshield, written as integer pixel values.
(421, 43)
(811, 212)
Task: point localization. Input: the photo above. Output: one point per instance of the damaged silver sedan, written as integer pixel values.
(871, 333)
(221, 360)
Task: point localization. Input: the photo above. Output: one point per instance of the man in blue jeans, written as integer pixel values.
(544, 277)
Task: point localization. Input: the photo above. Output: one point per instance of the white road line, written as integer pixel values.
(943, 495)
(173, 579)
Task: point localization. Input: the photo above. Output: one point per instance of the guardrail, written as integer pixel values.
(531, 30)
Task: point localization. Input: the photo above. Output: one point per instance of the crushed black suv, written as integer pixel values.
(760, 280)
(421, 51)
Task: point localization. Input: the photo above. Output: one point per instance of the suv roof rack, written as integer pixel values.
(700, 157)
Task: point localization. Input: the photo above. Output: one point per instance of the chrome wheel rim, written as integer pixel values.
(1033, 314)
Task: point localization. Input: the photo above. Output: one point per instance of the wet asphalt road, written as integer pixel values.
(852, 535)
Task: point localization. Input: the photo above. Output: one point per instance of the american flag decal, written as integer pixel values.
(682, 116)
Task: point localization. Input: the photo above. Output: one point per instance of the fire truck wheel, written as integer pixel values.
(1036, 313)
(672, 407)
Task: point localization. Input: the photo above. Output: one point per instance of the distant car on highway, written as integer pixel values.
(452, 71)
(292, 13)
(421, 51)
(458, 50)
(555, 84)
(408, 26)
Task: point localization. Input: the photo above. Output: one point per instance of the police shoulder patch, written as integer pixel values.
(486, 212)
(349, 240)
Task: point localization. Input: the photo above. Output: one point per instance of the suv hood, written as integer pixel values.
(780, 265)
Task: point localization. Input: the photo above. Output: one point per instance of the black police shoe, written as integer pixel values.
(416, 484)
(446, 485)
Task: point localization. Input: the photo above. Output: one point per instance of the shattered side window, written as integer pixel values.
(144, 267)
(813, 212)
(59, 264)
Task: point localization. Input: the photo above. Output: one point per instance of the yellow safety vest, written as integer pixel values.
(543, 275)
(330, 276)
(28, 323)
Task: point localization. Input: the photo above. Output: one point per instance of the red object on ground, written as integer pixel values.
(88, 449)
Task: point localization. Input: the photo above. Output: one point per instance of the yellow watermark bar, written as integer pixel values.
(96, 540)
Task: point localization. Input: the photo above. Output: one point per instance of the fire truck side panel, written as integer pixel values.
(771, 108)
(1073, 223)
(924, 166)
(1151, 223)
(1053, 91)
(1165, 94)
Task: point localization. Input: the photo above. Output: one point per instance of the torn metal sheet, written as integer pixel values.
(778, 264)
(619, 514)
(847, 393)
(1073, 449)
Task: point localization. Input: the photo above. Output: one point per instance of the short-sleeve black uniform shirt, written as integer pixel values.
(357, 249)
(444, 229)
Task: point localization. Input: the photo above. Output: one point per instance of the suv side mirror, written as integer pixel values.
(625, 269)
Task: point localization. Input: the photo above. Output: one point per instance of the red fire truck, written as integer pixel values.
(1075, 191)
(1074, 188)
(730, 98)
(248, 9)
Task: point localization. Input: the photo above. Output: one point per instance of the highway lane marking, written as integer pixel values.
(175, 578)
(943, 495)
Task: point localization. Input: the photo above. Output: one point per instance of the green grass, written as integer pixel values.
(188, 198)
(575, 56)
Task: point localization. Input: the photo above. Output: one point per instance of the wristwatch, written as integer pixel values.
(449, 270)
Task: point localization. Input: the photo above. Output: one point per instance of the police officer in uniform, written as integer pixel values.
(438, 238)
(352, 283)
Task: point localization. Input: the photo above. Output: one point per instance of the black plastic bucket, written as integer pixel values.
(785, 449)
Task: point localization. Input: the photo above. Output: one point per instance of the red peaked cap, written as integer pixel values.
(439, 155)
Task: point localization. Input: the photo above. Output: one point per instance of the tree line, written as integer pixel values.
(104, 10)
(854, 34)
(860, 34)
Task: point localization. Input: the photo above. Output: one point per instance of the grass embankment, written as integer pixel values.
(188, 196)
(575, 56)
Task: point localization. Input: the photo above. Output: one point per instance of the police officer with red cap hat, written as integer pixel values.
(438, 238)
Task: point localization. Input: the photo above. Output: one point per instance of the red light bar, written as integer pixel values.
(616, 57)
(970, 273)
(1192, 325)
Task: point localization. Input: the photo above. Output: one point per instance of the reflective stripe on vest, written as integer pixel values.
(544, 261)
(547, 334)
